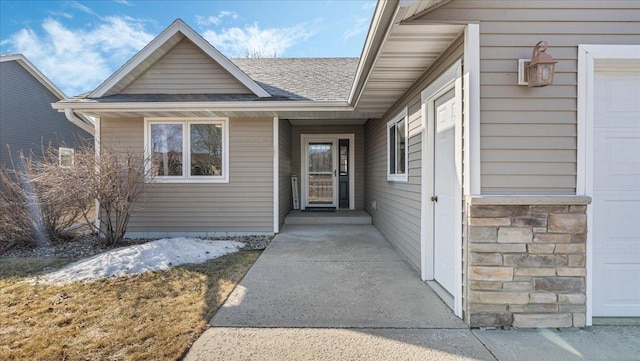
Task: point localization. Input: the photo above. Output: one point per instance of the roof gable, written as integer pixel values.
(139, 66)
(186, 69)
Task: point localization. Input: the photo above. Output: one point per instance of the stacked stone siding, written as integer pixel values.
(526, 262)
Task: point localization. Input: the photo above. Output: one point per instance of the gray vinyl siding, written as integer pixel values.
(398, 207)
(245, 204)
(27, 120)
(359, 153)
(186, 70)
(528, 135)
(284, 163)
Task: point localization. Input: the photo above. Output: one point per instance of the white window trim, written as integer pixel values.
(186, 121)
(589, 55)
(73, 156)
(404, 114)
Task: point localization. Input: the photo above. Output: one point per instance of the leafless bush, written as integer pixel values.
(16, 224)
(44, 196)
(54, 186)
(115, 179)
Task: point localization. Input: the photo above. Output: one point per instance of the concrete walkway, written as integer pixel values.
(342, 292)
(333, 276)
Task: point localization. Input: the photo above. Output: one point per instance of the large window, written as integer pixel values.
(397, 161)
(188, 150)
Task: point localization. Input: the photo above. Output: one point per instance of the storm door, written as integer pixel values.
(321, 173)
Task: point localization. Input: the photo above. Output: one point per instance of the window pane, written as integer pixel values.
(401, 144)
(392, 149)
(65, 157)
(206, 149)
(166, 145)
(320, 157)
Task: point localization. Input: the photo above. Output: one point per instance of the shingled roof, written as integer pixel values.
(318, 79)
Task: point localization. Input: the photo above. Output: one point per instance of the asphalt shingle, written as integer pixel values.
(318, 79)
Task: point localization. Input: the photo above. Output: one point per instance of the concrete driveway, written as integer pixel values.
(342, 292)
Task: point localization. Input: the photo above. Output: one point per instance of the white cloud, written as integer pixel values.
(360, 24)
(253, 41)
(78, 60)
(216, 19)
(123, 2)
(83, 8)
(61, 14)
(369, 5)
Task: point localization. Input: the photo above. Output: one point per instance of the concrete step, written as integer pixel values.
(338, 217)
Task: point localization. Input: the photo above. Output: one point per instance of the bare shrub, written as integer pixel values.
(47, 197)
(16, 224)
(54, 187)
(115, 179)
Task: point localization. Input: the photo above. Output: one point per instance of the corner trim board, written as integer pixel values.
(276, 175)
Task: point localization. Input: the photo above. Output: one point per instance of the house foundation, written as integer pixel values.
(525, 261)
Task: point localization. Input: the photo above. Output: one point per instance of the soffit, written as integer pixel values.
(407, 52)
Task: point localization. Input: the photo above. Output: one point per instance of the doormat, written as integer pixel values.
(319, 210)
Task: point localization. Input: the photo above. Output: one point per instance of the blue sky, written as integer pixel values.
(78, 44)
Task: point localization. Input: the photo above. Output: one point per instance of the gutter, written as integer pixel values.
(73, 118)
(68, 108)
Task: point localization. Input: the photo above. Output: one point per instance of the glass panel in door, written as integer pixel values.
(321, 173)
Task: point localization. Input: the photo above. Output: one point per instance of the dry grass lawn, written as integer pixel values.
(151, 316)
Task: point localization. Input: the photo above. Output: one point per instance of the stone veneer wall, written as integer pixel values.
(525, 261)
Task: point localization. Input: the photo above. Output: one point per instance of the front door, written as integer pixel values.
(616, 193)
(321, 173)
(444, 191)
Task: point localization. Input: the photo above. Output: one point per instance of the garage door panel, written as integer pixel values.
(612, 300)
(617, 229)
(619, 94)
(618, 168)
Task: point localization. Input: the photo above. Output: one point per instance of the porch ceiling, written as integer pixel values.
(407, 51)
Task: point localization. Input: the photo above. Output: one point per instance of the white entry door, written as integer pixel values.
(321, 176)
(444, 191)
(616, 193)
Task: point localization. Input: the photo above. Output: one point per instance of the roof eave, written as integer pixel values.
(381, 22)
(195, 106)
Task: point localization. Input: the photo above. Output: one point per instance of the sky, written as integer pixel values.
(79, 44)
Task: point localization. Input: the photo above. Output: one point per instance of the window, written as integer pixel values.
(66, 157)
(188, 150)
(397, 161)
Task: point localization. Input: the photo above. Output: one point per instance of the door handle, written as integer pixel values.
(334, 172)
(434, 199)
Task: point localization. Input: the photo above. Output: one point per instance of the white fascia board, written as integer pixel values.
(204, 106)
(28, 66)
(178, 26)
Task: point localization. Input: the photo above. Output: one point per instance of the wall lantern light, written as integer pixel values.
(538, 71)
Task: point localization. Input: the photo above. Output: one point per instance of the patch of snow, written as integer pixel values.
(152, 256)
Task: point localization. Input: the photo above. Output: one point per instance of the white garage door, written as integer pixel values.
(616, 192)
